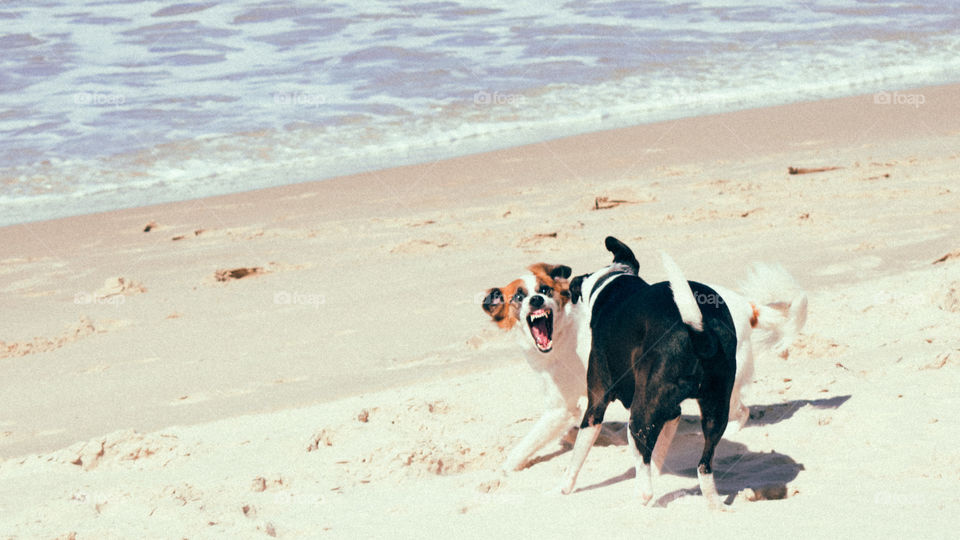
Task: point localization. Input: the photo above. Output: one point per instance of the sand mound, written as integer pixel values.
(118, 447)
(116, 286)
(422, 442)
(79, 330)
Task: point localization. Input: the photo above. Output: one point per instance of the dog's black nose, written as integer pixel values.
(536, 301)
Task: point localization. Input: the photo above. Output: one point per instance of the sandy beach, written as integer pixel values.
(312, 360)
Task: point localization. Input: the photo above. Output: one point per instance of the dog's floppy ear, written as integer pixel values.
(622, 254)
(561, 271)
(552, 271)
(493, 300)
(576, 288)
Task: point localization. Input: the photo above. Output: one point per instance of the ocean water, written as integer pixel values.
(117, 103)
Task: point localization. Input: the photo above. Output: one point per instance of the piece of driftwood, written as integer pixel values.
(237, 273)
(947, 257)
(802, 170)
(605, 203)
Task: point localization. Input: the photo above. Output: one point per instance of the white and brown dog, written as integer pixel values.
(762, 320)
(536, 308)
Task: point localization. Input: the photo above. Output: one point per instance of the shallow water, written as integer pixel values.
(110, 104)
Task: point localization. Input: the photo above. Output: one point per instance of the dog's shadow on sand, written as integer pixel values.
(765, 415)
(735, 467)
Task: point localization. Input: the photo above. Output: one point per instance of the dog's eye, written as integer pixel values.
(519, 296)
(544, 290)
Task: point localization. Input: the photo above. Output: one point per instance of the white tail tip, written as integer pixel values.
(682, 295)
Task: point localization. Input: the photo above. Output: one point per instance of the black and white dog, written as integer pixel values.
(651, 347)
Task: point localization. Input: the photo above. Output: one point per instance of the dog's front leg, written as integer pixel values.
(549, 428)
(644, 486)
(590, 426)
(585, 439)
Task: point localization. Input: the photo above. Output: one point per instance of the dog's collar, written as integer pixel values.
(613, 271)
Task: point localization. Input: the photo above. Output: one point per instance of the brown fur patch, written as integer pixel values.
(755, 317)
(507, 314)
(560, 286)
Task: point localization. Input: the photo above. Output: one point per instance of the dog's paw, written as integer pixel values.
(644, 496)
(716, 505)
(739, 418)
(515, 462)
(512, 465)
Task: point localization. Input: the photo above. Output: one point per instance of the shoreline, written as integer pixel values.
(741, 117)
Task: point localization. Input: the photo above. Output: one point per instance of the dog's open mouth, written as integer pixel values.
(541, 328)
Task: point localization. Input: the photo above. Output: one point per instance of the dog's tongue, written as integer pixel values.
(539, 331)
